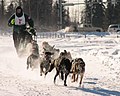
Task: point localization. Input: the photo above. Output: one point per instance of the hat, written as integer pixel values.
(19, 7)
(19, 14)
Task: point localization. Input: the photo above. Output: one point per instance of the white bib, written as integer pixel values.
(20, 20)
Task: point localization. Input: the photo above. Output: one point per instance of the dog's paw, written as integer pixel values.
(46, 73)
(40, 74)
(27, 67)
(65, 84)
(73, 81)
(81, 86)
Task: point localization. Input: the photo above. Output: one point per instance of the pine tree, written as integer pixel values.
(98, 14)
(117, 12)
(39, 10)
(10, 10)
(110, 12)
(94, 13)
(86, 13)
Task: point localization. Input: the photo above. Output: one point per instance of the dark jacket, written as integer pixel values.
(19, 27)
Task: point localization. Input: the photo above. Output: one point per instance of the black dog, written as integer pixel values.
(63, 66)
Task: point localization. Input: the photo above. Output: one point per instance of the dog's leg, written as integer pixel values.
(76, 79)
(46, 73)
(32, 68)
(57, 73)
(28, 62)
(65, 79)
(62, 75)
(41, 70)
(27, 66)
(31, 65)
(73, 77)
(81, 77)
(51, 66)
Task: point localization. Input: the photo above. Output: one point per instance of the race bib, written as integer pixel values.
(20, 20)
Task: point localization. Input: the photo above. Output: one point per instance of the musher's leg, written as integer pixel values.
(15, 40)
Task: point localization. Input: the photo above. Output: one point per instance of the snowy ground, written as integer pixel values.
(102, 76)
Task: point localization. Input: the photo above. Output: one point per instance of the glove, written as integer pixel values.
(10, 25)
(13, 21)
(32, 30)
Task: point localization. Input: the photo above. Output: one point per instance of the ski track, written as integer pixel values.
(101, 56)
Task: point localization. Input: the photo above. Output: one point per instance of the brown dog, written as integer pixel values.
(33, 58)
(48, 48)
(63, 67)
(78, 68)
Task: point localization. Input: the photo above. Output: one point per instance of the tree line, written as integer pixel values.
(101, 14)
(46, 15)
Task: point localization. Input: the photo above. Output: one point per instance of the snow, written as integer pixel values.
(101, 55)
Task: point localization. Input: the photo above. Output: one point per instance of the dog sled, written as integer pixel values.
(25, 41)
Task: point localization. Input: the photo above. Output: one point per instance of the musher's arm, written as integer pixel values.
(11, 20)
(31, 24)
(29, 20)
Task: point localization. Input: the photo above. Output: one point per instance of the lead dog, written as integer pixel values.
(78, 68)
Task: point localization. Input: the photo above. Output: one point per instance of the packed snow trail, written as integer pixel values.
(101, 79)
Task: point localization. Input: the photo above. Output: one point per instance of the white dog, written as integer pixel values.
(48, 48)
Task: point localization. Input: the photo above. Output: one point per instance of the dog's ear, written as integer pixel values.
(65, 51)
(44, 48)
(53, 46)
(61, 53)
(57, 50)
